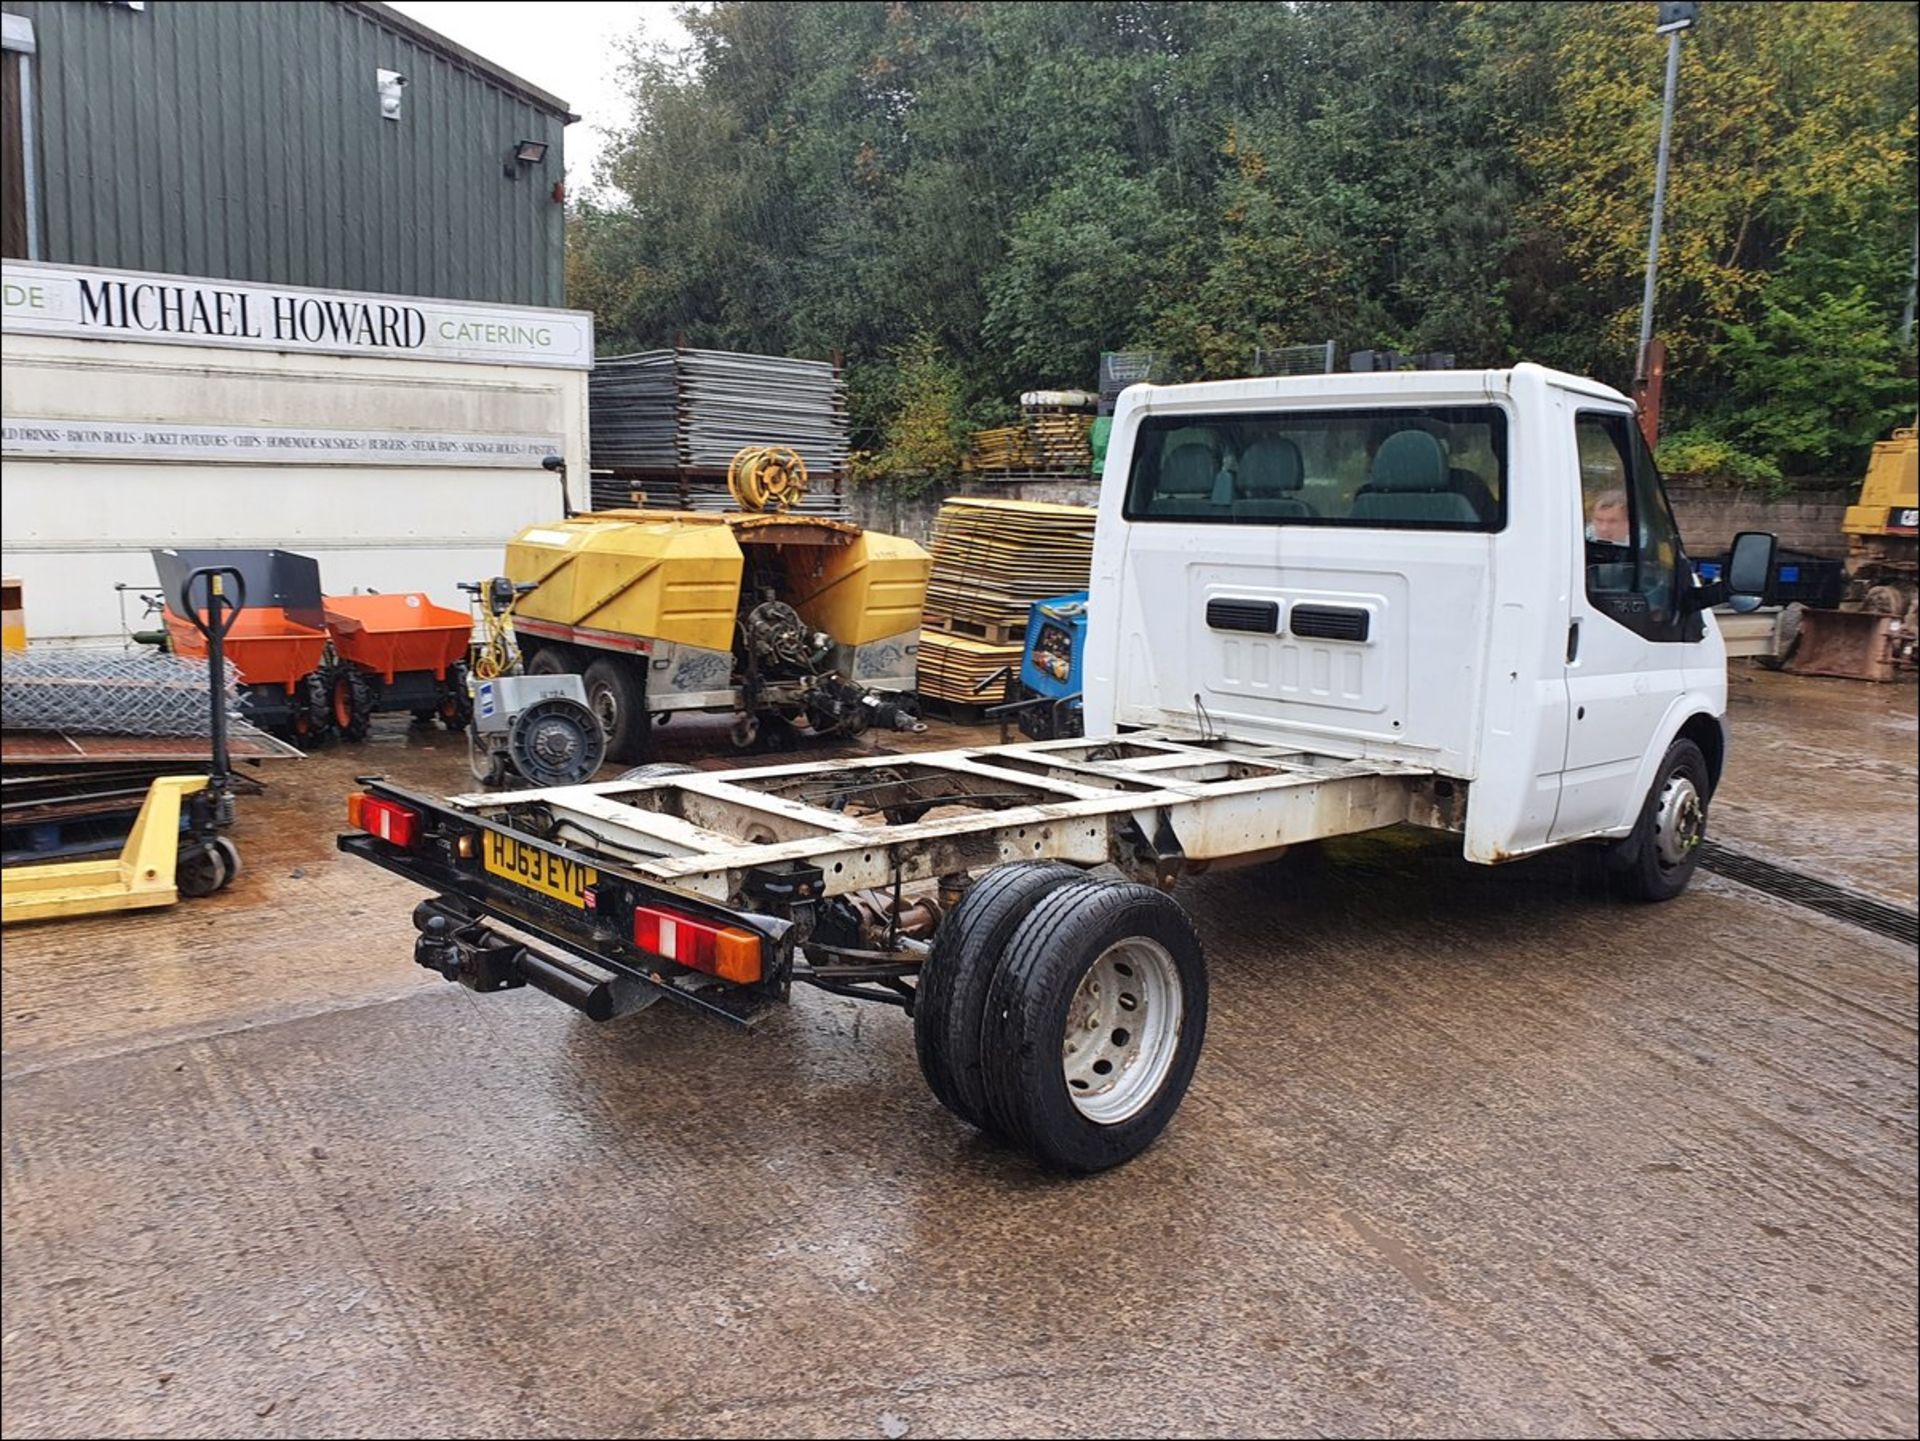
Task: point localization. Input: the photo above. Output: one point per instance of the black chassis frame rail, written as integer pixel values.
(600, 936)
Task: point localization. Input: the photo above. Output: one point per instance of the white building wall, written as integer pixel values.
(71, 527)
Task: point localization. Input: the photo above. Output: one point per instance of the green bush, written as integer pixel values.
(916, 407)
(1699, 454)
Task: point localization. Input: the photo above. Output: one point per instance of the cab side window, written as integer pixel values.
(1634, 563)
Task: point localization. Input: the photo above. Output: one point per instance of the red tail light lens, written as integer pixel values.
(729, 952)
(388, 820)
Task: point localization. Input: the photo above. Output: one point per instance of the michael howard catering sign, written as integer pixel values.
(89, 304)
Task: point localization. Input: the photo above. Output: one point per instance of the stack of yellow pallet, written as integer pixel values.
(992, 559)
(1045, 441)
(1005, 447)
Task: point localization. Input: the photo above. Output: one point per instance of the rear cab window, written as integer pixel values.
(1388, 468)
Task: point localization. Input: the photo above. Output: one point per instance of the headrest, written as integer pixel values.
(1410, 460)
(1189, 470)
(1271, 467)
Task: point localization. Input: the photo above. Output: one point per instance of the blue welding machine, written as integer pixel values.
(1050, 667)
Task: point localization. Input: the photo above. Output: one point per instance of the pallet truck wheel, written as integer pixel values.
(200, 870)
(230, 853)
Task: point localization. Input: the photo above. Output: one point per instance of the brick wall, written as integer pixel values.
(1804, 520)
(878, 508)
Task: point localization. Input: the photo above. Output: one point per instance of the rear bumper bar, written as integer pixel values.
(491, 934)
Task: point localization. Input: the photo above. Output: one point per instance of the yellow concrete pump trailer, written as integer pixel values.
(783, 620)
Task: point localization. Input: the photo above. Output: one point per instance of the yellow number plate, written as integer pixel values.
(537, 870)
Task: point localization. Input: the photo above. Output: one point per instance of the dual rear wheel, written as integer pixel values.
(1062, 1013)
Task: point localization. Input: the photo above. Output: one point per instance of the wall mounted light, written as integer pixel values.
(525, 153)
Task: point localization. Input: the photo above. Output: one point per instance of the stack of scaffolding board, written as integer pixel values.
(1047, 443)
(992, 559)
(669, 422)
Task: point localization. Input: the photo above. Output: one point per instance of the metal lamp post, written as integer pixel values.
(1675, 19)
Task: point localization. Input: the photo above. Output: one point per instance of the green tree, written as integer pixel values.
(1014, 187)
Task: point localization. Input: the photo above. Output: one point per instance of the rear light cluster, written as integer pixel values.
(388, 820)
(729, 952)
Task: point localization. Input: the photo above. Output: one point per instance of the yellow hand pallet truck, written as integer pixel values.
(159, 862)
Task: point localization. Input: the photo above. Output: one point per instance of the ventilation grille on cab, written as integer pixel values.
(1262, 617)
(1329, 622)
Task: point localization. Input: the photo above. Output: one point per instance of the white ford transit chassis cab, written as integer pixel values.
(1319, 606)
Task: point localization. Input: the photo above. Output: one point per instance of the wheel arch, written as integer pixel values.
(1690, 717)
(1709, 732)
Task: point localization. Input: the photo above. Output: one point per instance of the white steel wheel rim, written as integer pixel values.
(1681, 822)
(1123, 1030)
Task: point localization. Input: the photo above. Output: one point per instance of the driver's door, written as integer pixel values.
(1628, 638)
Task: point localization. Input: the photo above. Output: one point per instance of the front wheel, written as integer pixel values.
(1093, 1024)
(1656, 861)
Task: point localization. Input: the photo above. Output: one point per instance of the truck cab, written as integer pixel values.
(1476, 572)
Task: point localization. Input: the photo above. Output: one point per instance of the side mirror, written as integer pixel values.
(1750, 569)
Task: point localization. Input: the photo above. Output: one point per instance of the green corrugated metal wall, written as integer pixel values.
(243, 139)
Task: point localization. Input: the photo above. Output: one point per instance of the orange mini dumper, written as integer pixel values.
(397, 653)
(278, 643)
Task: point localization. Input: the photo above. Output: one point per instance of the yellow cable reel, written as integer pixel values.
(767, 478)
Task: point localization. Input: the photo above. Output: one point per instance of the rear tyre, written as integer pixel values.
(952, 993)
(1657, 860)
(617, 696)
(350, 702)
(1094, 1024)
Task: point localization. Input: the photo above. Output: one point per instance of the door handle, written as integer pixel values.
(1573, 641)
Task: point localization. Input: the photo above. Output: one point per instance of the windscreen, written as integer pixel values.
(1391, 468)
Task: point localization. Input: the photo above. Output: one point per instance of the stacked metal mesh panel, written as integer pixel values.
(681, 409)
(633, 402)
(92, 692)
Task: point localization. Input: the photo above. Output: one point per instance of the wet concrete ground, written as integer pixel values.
(1469, 1152)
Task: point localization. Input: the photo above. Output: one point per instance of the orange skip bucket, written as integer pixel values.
(388, 634)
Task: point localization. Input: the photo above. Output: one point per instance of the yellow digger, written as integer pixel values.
(1872, 635)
